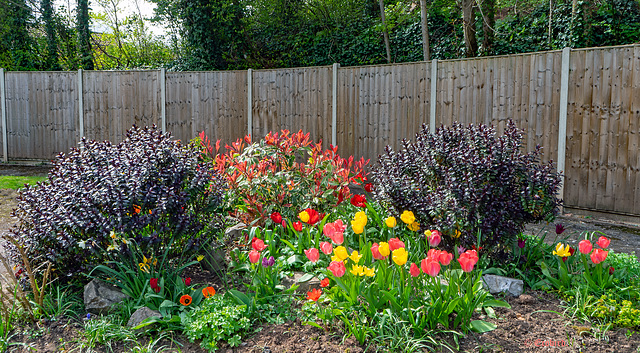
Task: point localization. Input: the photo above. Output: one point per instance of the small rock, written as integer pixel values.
(499, 284)
(525, 299)
(303, 287)
(100, 296)
(142, 314)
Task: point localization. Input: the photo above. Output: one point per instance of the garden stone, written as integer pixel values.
(142, 314)
(303, 287)
(100, 296)
(214, 257)
(499, 284)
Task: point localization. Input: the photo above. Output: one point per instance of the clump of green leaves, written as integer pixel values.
(217, 319)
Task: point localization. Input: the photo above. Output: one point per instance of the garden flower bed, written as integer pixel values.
(206, 239)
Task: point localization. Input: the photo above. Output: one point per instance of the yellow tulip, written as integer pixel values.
(408, 217)
(415, 226)
(356, 270)
(304, 216)
(383, 249)
(369, 272)
(400, 256)
(341, 253)
(391, 222)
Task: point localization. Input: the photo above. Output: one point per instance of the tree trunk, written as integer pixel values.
(425, 29)
(469, 28)
(51, 60)
(488, 25)
(84, 35)
(385, 32)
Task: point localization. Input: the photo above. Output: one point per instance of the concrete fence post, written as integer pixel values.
(432, 100)
(163, 99)
(80, 104)
(249, 101)
(334, 105)
(562, 125)
(3, 104)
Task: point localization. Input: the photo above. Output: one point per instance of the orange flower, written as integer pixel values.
(136, 209)
(314, 294)
(186, 300)
(208, 292)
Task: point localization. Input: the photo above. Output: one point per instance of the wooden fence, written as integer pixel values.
(582, 106)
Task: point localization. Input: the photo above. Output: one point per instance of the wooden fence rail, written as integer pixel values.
(582, 106)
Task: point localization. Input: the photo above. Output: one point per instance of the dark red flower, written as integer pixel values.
(359, 200)
(276, 217)
(297, 226)
(153, 282)
(368, 187)
(521, 243)
(572, 251)
(559, 228)
(611, 269)
(187, 281)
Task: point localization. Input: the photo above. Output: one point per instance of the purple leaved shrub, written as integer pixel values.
(468, 182)
(148, 187)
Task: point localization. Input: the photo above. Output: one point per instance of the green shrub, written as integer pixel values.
(467, 182)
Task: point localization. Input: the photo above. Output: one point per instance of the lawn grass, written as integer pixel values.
(17, 182)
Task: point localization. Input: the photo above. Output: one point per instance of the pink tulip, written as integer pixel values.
(335, 231)
(585, 246)
(326, 247)
(468, 260)
(435, 238)
(445, 258)
(599, 255)
(414, 270)
(430, 266)
(258, 245)
(395, 243)
(312, 254)
(376, 254)
(337, 268)
(603, 242)
(254, 256)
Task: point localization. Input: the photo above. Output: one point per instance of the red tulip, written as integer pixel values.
(585, 246)
(337, 268)
(312, 254)
(187, 281)
(324, 283)
(430, 266)
(435, 238)
(603, 242)
(376, 254)
(521, 243)
(314, 216)
(326, 247)
(414, 270)
(572, 251)
(258, 245)
(368, 187)
(297, 226)
(395, 243)
(314, 294)
(254, 256)
(599, 255)
(153, 282)
(359, 200)
(276, 217)
(434, 254)
(611, 269)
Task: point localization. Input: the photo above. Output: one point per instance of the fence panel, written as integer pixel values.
(380, 106)
(42, 114)
(525, 88)
(213, 102)
(116, 100)
(603, 169)
(293, 99)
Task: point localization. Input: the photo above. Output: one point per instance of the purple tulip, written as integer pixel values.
(559, 228)
(521, 243)
(266, 262)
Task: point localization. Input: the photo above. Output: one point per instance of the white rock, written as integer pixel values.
(499, 284)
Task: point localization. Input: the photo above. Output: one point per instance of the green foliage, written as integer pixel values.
(218, 318)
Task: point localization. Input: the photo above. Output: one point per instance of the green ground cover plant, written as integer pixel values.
(18, 182)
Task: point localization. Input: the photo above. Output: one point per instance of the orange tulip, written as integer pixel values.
(186, 300)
